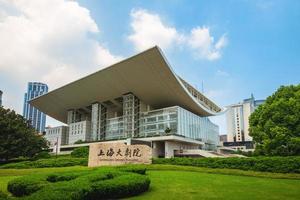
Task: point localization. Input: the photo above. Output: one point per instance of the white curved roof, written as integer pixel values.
(147, 75)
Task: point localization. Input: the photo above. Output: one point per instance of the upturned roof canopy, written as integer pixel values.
(147, 75)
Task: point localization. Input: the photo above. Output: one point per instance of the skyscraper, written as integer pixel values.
(1, 97)
(37, 118)
(237, 117)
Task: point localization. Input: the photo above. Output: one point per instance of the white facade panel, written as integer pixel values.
(79, 131)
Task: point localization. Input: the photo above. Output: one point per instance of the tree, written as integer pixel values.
(80, 152)
(275, 125)
(17, 137)
(168, 130)
(79, 142)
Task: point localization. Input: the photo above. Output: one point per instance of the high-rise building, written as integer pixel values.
(1, 97)
(37, 118)
(237, 117)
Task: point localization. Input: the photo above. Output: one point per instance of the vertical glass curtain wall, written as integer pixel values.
(115, 128)
(159, 122)
(167, 121)
(178, 121)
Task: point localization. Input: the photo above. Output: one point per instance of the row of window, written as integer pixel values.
(53, 131)
(76, 132)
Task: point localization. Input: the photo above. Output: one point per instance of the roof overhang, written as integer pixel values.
(147, 75)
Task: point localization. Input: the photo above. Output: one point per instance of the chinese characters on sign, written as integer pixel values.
(128, 153)
(118, 153)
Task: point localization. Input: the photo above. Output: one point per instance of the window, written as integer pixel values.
(173, 116)
(173, 126)
(151, 127)
(160, 118)
(161, 126)
(151, 119)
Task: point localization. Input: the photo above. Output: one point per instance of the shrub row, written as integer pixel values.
(42, 163)
(121, 186)
(132, 168)
(80, 152)
(3, 195)
(101, 183)
(20, 186)
(264, 164)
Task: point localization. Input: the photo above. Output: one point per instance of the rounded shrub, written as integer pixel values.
(101, 183)
(3, 195)
(80, 152)
(121, 186)
(25, 186)
(41, 155)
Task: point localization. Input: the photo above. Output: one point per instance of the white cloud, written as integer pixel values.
(48, 41)
(149, 30)
(222, 42)
(203, 43)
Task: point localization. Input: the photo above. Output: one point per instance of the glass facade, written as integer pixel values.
(159, 122)
(178, 121)
(115, 128)
(168, 121)
(37, 118)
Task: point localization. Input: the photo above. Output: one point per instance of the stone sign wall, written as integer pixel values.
(118, 153)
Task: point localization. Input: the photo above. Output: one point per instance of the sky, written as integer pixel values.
(233, 48)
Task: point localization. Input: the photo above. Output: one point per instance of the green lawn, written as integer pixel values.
(195, 185)
(198, 183)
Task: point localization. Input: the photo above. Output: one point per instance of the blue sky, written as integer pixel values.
(234, 47)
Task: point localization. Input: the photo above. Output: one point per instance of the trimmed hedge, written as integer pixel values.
(132, 168)
(121, 186)
(101, 183)
(264, 164)
(42, 163)
(80, 152)
(42, 155)
(20, 186)
(3, 195)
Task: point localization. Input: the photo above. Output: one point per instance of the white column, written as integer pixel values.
(95, 121)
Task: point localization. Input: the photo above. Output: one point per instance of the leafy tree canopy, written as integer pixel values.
(17, 137)
(275, 125)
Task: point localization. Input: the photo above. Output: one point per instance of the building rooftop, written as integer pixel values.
(147, 75)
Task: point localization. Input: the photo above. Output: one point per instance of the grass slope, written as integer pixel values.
(184, 182)
(195, 185)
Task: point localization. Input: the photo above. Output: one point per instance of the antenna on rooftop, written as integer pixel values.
(202, 87)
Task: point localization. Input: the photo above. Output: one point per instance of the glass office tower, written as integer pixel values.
(36, 118)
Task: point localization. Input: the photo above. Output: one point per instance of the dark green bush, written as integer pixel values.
(265, 164)
(42, 163)
(80, 152)
(133, 168)
(121, 186)
(58, 177)
(101, 183)
(41, 155)
(20, 186)
(79, 142)
(3, 196)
